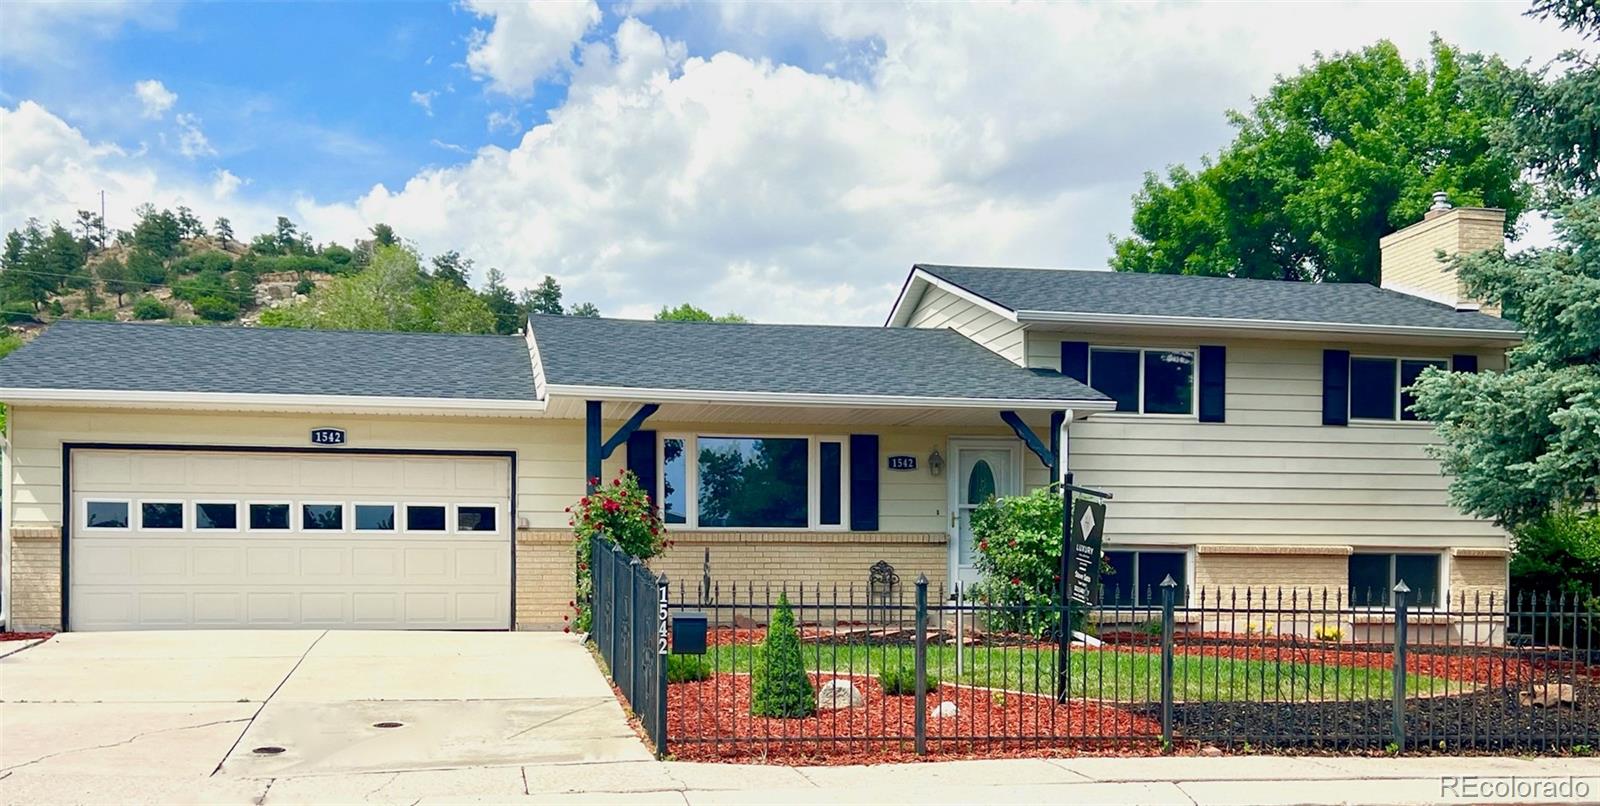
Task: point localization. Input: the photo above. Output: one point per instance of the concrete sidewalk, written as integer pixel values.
(1181, 780)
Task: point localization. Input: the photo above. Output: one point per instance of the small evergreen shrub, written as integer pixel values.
(781, 686)
(216, 309)
(687, 668)
(147, 308)
(902, 682)
(305, 286)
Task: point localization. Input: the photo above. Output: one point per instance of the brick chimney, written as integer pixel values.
(1410, 262)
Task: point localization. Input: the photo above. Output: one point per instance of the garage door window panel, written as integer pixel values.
(375, 517)
(321, 516)
(427, 518)
(270, 516)
(161, 516)
(477, 518)
(216, 516)
(106, 515)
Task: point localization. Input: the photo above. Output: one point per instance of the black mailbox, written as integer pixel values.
(689, 634)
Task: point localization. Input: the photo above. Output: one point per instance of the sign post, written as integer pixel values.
(1083, 522)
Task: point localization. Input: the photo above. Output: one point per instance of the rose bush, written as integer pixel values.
(622, 513)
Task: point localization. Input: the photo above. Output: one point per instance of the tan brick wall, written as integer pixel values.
(1410, 256)
(1297, 570)
(815, 559)
(35, 579)
(545, 564)
(1475, 575)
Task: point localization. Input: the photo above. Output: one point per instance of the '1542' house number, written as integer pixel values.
(327, 436)
(902, 463)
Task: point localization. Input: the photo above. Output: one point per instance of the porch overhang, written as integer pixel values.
(715, 406)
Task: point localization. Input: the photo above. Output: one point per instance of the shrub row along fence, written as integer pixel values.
(628, 627)
(916, 671)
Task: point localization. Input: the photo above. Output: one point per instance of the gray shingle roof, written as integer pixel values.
(174, 358)
(792, 359)
(1222, 298)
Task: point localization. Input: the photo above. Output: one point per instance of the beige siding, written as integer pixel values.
(941, 309)
(1272, 474)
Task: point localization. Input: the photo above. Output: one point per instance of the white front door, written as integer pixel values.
(984, 469)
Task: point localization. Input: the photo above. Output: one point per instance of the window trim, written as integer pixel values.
(344, 516)
(405, 525)
(194, 515)
(691, 479)
(294, 517)
(1442, 594)
(1194, 386)
(1399, 389)
(1186, 585)
(454, 518)
(83, 512)
(394, 509)
(183, 514)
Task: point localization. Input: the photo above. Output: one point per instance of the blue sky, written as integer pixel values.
(786, 161)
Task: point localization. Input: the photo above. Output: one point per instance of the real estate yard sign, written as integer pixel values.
(1088, 529)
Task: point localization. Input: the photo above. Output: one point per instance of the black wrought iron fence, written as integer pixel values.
(926, 671)
(629, 628)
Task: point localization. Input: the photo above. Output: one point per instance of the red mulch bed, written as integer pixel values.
(23, 636)
(719, 707)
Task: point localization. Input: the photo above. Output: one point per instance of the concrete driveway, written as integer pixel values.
(94, 716)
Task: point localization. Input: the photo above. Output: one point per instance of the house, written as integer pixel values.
(1253, 433)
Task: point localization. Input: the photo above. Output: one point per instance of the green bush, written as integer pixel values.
(305, 286)
(1558, 556)
(1019, 557)
(902, 682)
(204, 262)
(148, 307)
(781, 686)
(19, 312)
(216, 309)
(93, 316)
(687, 668)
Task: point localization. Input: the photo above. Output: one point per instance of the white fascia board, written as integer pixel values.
(1217, 323)
(906, 302)
(536, 359)
(252, 400)
(820, 400)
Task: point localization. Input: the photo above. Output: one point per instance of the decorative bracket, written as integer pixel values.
(1024, 433)
(627, 429)
(596, 450)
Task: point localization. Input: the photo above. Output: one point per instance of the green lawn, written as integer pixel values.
(1127, 676)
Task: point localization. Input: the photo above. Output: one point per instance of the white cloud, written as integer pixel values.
(224, 183)
(424, 100)
(49, 170)
(999, 135)
(154, 98)
(528, 41)
(192, 142)
(39, 31)
(506, 121)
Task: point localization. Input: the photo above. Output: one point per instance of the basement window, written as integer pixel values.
(1136, 575)
(1374, 575)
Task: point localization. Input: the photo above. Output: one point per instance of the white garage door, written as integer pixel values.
(175, 539)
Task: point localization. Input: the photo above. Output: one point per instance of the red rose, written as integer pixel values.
(1016, 581)
(611, 506)
(566, 629)
(983, 545)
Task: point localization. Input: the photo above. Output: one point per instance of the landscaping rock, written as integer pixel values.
(944, 710)
(836, 694)
(1211, 750)
(1548, 695)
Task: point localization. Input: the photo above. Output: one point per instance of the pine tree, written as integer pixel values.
(782, 688)
(224, 229)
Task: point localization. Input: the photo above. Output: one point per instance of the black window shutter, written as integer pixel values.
(1463, 363)
(864, 482)
(1335, 387)
(642, 460)
(1213, 384)
(1075, 360)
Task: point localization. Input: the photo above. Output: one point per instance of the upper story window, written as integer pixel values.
(1378, 386)
(1145, 381)
(753, 482)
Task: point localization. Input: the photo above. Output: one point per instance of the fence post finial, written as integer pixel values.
(1399, 726)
